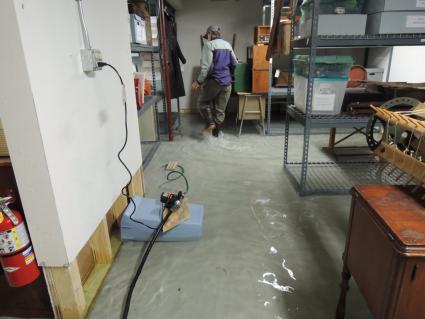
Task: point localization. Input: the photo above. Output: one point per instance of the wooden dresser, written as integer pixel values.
(385, 252)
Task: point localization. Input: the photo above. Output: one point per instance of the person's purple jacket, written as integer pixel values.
(218, 62)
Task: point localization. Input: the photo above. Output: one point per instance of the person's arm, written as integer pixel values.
(207, 60)
(233, 61)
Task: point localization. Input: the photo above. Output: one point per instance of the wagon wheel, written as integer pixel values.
(376, 130)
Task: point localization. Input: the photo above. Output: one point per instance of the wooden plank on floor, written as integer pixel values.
(86, 262)
(119, 206)
(100, 244)
(115, 242)
(94, 283)
(66, 291)
(110, 218)
(73, 289)
(136, 187)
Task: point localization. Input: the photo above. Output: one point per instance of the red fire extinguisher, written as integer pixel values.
(16, 253)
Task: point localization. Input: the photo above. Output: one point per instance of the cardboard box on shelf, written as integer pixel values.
(337, 24)
(396, 22)
(138, 29)
(374, 6)
(140, 9)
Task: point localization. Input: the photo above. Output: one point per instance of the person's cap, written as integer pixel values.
(214, 29)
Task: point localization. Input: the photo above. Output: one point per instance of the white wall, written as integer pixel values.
(232, 16)
(64, 128)
(408, 65)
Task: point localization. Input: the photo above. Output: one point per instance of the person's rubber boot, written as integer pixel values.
(216, 130)
(208, 117)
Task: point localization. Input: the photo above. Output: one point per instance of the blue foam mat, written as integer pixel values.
(148, 211)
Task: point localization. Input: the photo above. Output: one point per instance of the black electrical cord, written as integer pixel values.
(124, 190)
(142, 264)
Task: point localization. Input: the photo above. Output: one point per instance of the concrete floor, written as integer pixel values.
(265, 253)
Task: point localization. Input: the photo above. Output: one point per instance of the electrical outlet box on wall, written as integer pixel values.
(90, 59)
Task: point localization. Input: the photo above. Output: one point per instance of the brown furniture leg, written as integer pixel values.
(346, 276)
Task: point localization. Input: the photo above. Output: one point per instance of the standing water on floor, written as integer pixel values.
(265, 252)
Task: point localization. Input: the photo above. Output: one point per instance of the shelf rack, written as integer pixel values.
(334, 177)
(149, 102)
(150, 147)
(272, 92)
(141, 48)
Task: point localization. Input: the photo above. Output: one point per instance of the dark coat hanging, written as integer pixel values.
(175, 55)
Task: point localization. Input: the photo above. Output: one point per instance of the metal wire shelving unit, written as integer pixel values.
(149, 148)
(312, 177)
(273, 92)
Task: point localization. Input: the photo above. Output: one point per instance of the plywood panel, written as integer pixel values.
(66, 291)
(259, 53)
(86, 262)
(260, 81)
(100, 243)
(147, 126)
(137, 187)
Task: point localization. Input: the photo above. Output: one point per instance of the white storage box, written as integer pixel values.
(337, 24)
(138, 29)
(328, 94)
(375, 74)
(374, 6)
(396, 22)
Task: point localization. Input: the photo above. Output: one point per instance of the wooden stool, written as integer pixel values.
(251, 107)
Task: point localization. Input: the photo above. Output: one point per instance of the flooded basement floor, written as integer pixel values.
(265, 252)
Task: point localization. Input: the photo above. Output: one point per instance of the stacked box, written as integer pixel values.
(348, 21)
(138, 29)
(395, 16)
(330, 82)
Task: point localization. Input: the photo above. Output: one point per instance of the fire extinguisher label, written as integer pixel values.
(14, 239)
(1, 217)
(10, 269)
(28, 255)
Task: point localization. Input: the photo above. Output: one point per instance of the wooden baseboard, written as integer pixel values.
(73, 289)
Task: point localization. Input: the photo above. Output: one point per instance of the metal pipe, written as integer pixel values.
(166, 70)
(86, 39)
